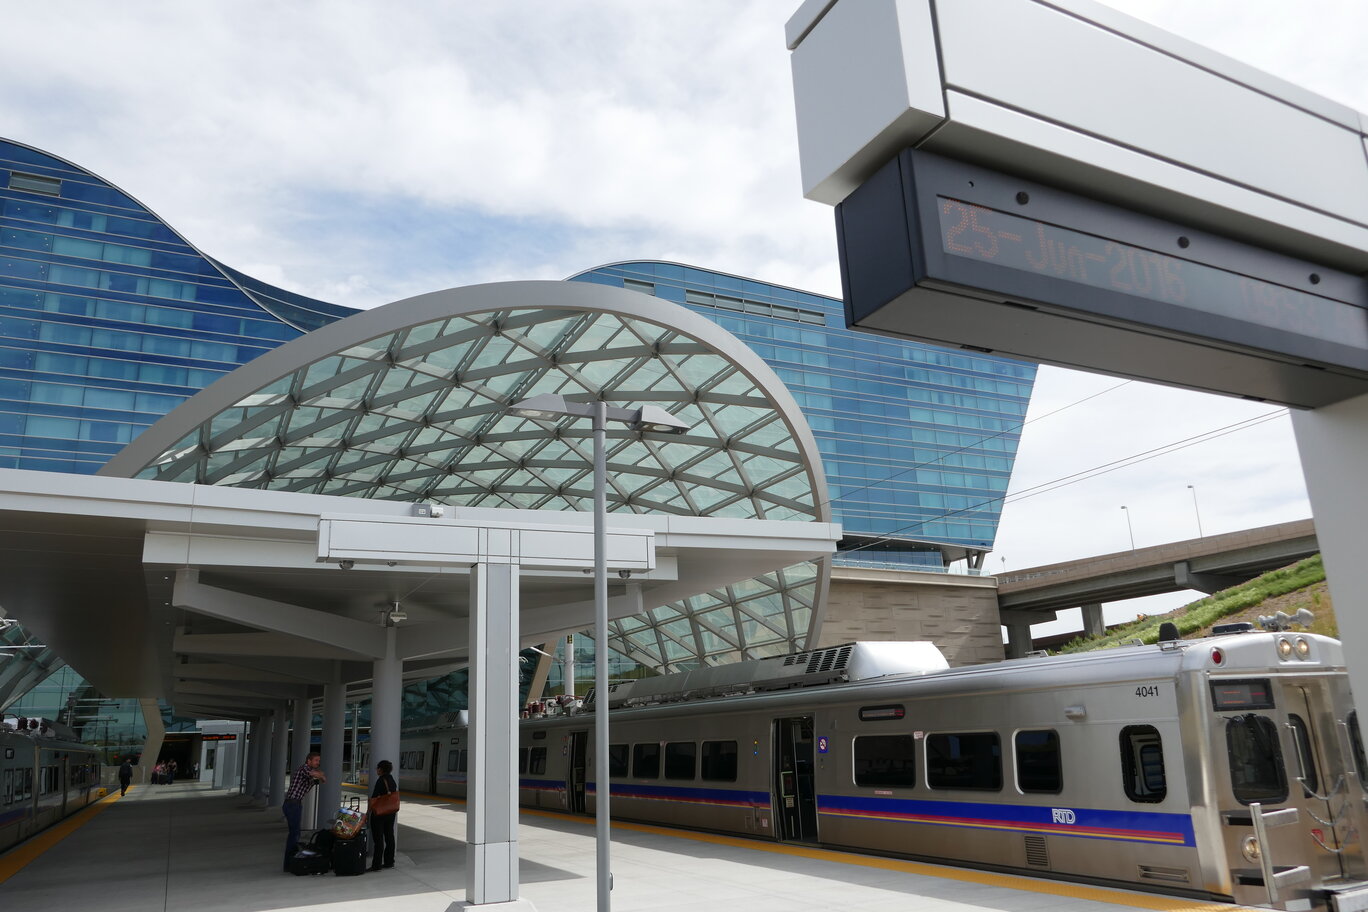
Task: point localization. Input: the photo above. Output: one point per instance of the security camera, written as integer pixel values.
(346, 564)
(624, 574)
(398, 615)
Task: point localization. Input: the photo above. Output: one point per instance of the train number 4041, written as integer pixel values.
(1147, 690)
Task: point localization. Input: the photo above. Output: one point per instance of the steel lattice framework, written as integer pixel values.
(418, 411)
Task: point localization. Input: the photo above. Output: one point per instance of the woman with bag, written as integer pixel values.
(383, 809)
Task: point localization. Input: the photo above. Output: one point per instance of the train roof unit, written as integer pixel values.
(834, 664)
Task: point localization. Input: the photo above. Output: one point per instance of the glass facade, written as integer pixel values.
(918, 441)
(108, 318)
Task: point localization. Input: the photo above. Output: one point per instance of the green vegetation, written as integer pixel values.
(1235, 600)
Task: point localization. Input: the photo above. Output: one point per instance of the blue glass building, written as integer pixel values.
(917, 441)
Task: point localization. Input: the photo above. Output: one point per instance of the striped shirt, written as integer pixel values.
(300, 783)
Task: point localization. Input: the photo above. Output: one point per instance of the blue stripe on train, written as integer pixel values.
(1125, 826)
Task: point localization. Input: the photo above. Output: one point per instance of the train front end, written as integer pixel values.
(1285, 790)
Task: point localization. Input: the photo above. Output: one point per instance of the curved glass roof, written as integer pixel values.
(419, 412)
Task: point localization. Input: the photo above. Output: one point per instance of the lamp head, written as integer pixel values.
(655, 419)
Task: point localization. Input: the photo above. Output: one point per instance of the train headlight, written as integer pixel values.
(1303, 648)
(1250, 848)
(1284, 648)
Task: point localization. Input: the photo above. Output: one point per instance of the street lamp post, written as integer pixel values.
(1198, 512)
(646, 418)
(1129, 529)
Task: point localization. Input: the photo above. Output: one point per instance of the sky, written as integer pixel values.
(363, 152)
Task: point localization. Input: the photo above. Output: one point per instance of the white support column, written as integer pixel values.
(334, 733)
(303, 731)
(387, 693)
(1332, 441)
(491, 802)
(280, 756)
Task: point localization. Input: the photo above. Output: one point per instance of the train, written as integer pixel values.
(46, 774)
(1227, 768)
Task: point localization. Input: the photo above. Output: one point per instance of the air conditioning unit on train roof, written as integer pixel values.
(849, 662)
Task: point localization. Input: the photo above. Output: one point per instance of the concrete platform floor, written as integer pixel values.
(188, 847)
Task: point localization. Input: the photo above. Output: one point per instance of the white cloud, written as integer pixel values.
(364, 152)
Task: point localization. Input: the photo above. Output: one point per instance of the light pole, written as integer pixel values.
(550, 406)
(1196, 511)
(1128, 527)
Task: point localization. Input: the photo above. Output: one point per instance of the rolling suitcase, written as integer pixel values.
(351, 856)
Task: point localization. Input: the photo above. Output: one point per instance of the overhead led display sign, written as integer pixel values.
(955, 254)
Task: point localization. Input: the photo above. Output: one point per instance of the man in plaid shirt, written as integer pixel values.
(306, 777)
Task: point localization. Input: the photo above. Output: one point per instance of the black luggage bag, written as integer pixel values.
(351, 856)
(314, 856)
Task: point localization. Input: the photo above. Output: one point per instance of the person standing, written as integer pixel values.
(384, 810)
(306, 777)
(125, 776)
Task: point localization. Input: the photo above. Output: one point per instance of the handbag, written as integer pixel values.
(385, 804)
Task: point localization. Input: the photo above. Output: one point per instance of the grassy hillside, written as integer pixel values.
(1288, 589)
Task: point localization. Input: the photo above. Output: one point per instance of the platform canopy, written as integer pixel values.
(410, 402)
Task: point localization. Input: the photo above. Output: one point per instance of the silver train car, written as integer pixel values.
(1227, 768)
(45, 775)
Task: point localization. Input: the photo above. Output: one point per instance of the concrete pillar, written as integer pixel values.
(1093, 624)
(280, 756)
(1018, 638)
(1332, 441)
(387, 695)
(263, 761)
(249, 778)
(303, 731)
(334, 733)
(491, 803)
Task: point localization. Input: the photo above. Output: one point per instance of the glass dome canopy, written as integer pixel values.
(411, 402)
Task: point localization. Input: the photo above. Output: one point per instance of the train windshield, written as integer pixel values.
(1256, 763)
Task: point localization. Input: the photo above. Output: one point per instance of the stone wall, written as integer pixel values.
(957, 613)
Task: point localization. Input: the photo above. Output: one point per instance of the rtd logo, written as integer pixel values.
(1064, 815)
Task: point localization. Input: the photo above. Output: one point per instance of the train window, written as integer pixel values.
(1306, 761)
(536, 761)
(645, 761)
(1142, 763)
(1256, 764)
(719, 761)
(453, 761)
(522, 759)
(618, 755)
(465, 760)
(886, 760)
(8, 792)
(681, 760)
(1356, 740)
(968, 760)
(1037, 761)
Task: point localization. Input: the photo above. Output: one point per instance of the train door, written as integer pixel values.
(1325, 787)
(1294, 831)
(574, 785)
(795, 796)
(432, 767)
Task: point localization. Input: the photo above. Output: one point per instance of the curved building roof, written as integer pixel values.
(410, 402)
